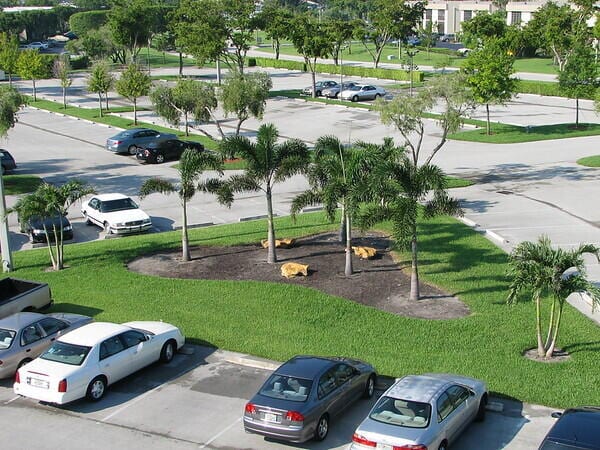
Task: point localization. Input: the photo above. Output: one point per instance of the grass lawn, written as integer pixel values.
(277, 320)
(454, 182)
(590, 161)
(20, 184)
(510, 134)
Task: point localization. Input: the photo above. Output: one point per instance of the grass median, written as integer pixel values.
(277, 321)
(20, 184)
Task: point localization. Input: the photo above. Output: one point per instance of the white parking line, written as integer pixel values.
(218, 435)
(12, 400)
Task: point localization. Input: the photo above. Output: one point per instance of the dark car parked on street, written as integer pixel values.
(159, 152)
(128, 141)
(7, 160)
(34, 227)
(298, 400)
(576, 429)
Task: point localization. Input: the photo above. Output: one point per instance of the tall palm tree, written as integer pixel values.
(191, 166)
(49, 201)
(268, 162)
(403, 186)
(542, 270)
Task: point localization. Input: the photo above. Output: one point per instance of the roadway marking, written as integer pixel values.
(12, 400)
(218, 435)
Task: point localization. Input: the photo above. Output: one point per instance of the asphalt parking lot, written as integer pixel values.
(197, 402)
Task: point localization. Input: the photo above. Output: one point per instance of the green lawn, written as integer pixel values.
(590, 161)
(279, 320)
(510, 134)
(20, 184)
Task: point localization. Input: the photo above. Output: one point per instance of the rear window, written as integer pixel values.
(403, 413)
(6, 338)
(287, 388)
(66, 353)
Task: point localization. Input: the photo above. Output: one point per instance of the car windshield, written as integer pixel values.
(6, 338)
(403, 413)
(287, 388)
(354, 88)
(117, 205)
(66, 353)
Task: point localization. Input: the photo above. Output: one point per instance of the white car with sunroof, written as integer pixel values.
(84, 362)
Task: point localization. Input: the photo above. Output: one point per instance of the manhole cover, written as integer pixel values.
(505, 192)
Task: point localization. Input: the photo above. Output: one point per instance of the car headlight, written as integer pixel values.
(37, 231)
(120, 224)
(67, 228)
(147, 221)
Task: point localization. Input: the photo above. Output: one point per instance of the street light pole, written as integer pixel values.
(7, 263)
(411, 53)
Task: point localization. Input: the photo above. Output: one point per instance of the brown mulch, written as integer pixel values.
(379, 282)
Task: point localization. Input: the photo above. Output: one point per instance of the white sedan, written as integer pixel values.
(85, 361)
(116, 213)
(362, 92)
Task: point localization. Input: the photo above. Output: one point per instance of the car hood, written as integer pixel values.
(52, 369)
(38, 223)
(390, 434)
(153, 327)
(126, 215)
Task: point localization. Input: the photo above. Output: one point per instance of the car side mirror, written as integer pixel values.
(556, 415)
(472, 393)
(148, 337)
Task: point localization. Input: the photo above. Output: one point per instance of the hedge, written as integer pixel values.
(358, 71)
(549, 88)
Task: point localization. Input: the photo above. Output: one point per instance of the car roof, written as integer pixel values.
(113, 196)
(20, 320)
(305, 366)
(93, 333)
(577, 425)
(130, 131)
(419, 388)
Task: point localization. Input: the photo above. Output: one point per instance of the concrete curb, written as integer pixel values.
(488, 233)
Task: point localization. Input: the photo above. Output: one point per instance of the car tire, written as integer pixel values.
(132, 150)
(355, 98)
(107, 228)
(22, 363)
(377, 96)
(480, 417)
(160, 158)
(370, 387)
(87, 219)
(443, 446)
(168, 351)
(318, 94)
(96, 389)
(322, 428)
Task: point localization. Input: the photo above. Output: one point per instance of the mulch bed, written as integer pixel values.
(379, 282)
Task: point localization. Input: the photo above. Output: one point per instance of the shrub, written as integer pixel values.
(251, 62)
(79, 62)
(542, 88)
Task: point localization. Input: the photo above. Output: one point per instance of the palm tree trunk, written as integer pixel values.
(487, 113)
(348, 270)
(577, 113)
(100, 102)
(314, 82)
(550, 324)
(49, 246)
(59, 249)
(271, 255)
(414, 274)
(185, 255)
(180, 64)
(552, 346)
(538, 327)
(342, 232)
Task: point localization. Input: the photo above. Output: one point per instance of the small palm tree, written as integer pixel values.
(49, 201)
(267, 163)
(191, 166)
(538, 268)
(403, 186)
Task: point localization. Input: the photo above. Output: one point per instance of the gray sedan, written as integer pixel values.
(297, 402)
(333, 91)
(422, 412)
(128, 141)
(361, 92)
(24, 336)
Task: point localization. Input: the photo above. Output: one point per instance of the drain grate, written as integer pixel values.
(505, 192)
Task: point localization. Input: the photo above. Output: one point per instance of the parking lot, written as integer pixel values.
(197, 402)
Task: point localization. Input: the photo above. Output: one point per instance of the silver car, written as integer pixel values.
(362, 92)
(422, 412)
(24, 336)
(319, 87)
(332, 92)
(298, 400)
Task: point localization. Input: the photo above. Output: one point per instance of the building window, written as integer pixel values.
(428, 15)
(467, 15)
(515, 17)
(441, 21)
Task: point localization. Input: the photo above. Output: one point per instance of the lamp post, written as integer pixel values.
(342, 48)
(411, 52)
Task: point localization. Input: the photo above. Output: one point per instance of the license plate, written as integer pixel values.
(271, 417)
(384, 447)
(38, 383)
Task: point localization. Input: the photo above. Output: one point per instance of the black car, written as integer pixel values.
(576, 429)
(8, 162)
(159, 152)
(34, 227)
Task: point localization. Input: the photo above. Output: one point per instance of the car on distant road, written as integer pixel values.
(422, 412)
(463, 51)
(300, 398)
(86, 361)
(38, 45)
(575, 429)
(413, 40)
(128, 141)
(24, 335)
(319, 87)
(7, 161)
(35, 226)
(116, 214)
(333, 92)
(448, 37)
(362, 92)
(159, 152)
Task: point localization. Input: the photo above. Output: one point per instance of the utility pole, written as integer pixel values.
(7, 263)
(411, 54)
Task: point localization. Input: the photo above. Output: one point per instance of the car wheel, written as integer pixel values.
(443, 446)
(22, 363)
(132, 149)
(168, 352)
(377, 96)
(87, 219)
(369, 387)
(160, 158)
(318, 94)
(322, 428)
(107, 228)
(355, 98)
(96, 389)
(480, 417)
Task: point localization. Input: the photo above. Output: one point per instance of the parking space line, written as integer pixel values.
(218, 435)
(12, 400)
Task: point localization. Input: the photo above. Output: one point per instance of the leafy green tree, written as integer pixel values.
(191, 166)
(245, 96)
(311, 41)
(483, 26)
(100, 82)
(579, 77)
(339, 32)
(429, 37)
(9, 54)
(83, 22)
(62, 71)
(489, 71)
(132, 23)
(31, 66)
(542, 270)
(96, 44)
(133, 84)
(268, 162)
(49, 201)
(275, 21)
(163, 42)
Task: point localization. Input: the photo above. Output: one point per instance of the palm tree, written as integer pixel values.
(49, 201)
(538, 268)
(403, 186)
(267, 163)
(191, 166)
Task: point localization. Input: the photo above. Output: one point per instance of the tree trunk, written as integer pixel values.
(488, 130)
(218, 62)
(271, 255)
(34, 93)
(277, 49)
(414, 274)
(185, 255)
(10, 79)
(550, 322)
(342, 232)
(106, 99)
(180, 64)
(348, 270)
(64, 98)
(314, 82)
(100, 103)
(577, 113)
(552, 345)
(135, 111)
(185, 118)
(238, 127)
(538, 327)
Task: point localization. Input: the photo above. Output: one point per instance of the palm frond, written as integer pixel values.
(304, 199)
(157, 184)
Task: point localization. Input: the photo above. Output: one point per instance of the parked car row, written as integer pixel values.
(347, 91)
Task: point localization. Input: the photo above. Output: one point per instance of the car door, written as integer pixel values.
(449, 418)
(463, 405)
(348, 381)
(114, 360)
(369, 92)
(53, 327)
(140, 349)
(32, 340)
(93, 211)
(329, 393)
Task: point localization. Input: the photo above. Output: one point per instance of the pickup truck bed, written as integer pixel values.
(22, 295)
